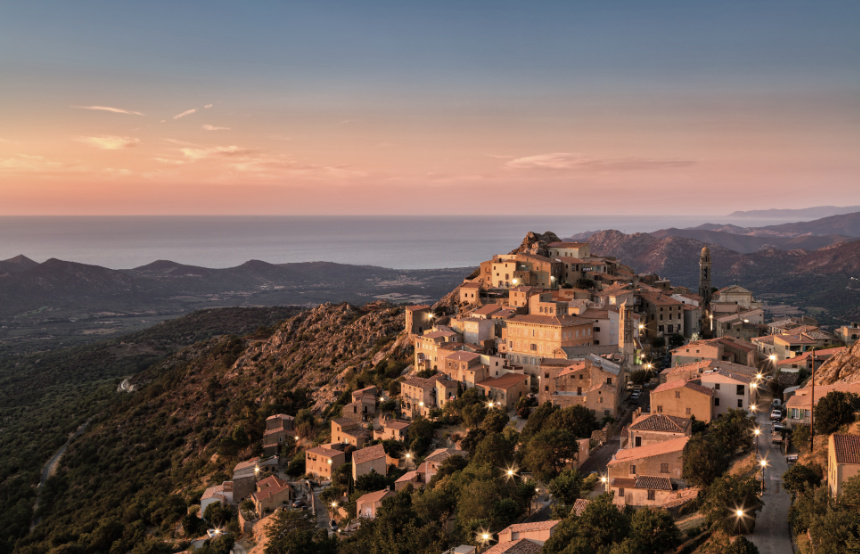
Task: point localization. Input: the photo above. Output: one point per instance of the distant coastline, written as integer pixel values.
(399, 242)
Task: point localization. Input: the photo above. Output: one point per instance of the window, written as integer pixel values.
(620, 491)
(546, 388)
(650, 494)
(664, 468)
(716, 386)
(638, 441)
(545, 375)
(659, 409)
(740, 402)
(716, 401)
(740, 390)
(677, 394)
(689, 411)
(609, 380)
(632, 469)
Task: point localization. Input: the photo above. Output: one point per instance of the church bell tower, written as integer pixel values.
(705, 276)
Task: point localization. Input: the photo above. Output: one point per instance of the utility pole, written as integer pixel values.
(812, 410)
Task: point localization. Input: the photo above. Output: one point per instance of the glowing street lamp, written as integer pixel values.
(756, 432)
(490, 405)
(739, 516)
(511, 472)
(763, 464)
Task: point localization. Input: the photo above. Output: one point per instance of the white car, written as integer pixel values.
(776, 414)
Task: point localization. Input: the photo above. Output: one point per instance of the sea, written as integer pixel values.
(400, 242)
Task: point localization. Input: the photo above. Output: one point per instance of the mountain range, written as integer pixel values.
(805, 235)
(41, 302)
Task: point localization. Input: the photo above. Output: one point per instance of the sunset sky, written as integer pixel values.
(437, 107)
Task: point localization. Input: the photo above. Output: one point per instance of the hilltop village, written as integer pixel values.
(555, 393)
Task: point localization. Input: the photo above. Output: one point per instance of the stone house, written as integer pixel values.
(799, 406)
(843, 460)
(647, 429)
(538, 532)
(323, 461)
(348, 431)
(642, 490)
(370, 459)
(278, 428)
(592, 382)
(419, 318)
(533, 337)
(272, 493)
(394, 429)
(367, 505)
(661, 459)
(507, 389)
(683, 399)
(222, 494)
(732, 391)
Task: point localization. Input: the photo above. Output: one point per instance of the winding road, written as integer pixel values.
(50, 468)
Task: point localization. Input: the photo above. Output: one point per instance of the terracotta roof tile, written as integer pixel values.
(656, 449)
(533, 526)
(521, 546)
(367, 454)
(683, 384)
(580, 505)
(651, 482)
(660, 422)
(847, 448)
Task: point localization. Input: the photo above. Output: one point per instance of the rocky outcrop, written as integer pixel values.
(535, 243)
(842, 368)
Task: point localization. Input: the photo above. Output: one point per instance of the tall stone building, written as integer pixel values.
(705, 275)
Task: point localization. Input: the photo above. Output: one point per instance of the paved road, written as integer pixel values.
(50, 468)
(772, 535)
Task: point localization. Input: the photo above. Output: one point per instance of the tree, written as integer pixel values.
(579, 420)
(495, 421)
(217, 514)
(567, 486)
(293, 532)
(800, 438)
(834, 410)
(704, 461)
(850, 495)
(596, 530)
(371, 482)
(640, 376)
(494, 450)
(419, 435)
(653, 530)
(733, 431)
(800, 476)
(537, 419)
(548, 452)
(725, 496)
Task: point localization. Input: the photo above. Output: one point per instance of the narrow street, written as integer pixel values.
(772, 535)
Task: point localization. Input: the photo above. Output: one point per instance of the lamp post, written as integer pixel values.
(484, 539)
(763, 464)
(756, 432)
(605, 482)
(739, 515)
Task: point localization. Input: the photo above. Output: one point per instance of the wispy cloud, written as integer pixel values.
(566, 161)
(208, 127)
(108, 109)
(109, 142)
(195, 154)
(186, 112)
(207, 106)
(258, 163)
(27, 162)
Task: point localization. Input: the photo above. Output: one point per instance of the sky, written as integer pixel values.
(440, 107)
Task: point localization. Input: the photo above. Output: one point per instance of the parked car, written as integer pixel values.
(635, 396)
(776, 414)
(776, 403)
(298, 504)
